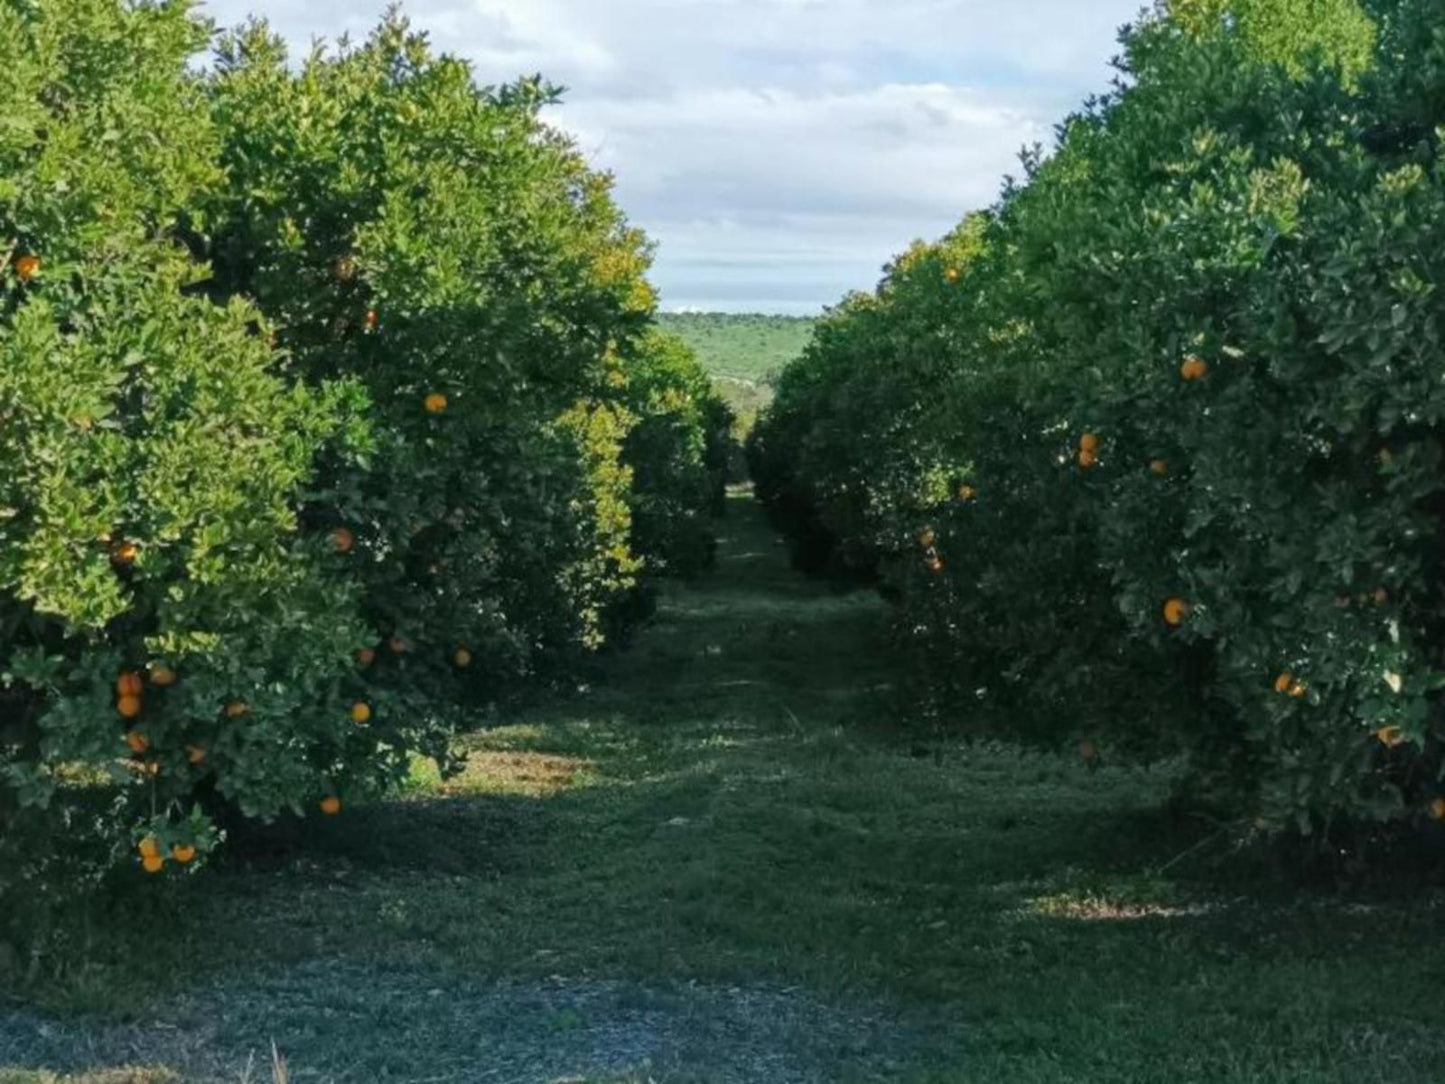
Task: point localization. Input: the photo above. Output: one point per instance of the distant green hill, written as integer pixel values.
(748, 346)
(742, 351)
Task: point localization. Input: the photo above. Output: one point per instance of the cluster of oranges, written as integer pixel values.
(130, 689)
(927, 539)
(1088, 451)
(27, 266)
(1289, 685)
(153, 860)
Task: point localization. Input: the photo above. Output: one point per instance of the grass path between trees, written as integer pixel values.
(723, 860)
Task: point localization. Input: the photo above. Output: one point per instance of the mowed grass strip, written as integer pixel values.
(721, 857)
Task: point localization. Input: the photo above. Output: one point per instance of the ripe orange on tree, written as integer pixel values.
(195, 754)
(1390, 736)
(1088, 459)
(128, 706)
(966, 493)
(343, 540)
(129, 684)
(934, 563)
(360, 712)
(148, 847)
(435, 403)
(236, 708)
(125, 553)
(1088, 443)
(331, 805)
(27, 267)
(462, 657)
(162, 675)
(1175, 611)
(137, 741)
(183, 853)
(1194, 368)
(371, 319)
(1283, 682)
(1159, 467)
(153, 863)
(951, 275)
(1437, 809)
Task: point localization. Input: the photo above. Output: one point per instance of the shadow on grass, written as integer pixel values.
(721, 825)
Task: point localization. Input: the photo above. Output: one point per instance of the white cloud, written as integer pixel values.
(779, 151)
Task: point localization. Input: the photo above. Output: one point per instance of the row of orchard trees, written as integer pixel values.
(1152, 453)
(330, 403)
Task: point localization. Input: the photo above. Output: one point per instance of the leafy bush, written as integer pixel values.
(678, 452)
(165, 638)
(327, 399)
(1152, 459)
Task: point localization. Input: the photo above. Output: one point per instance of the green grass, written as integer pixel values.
(723, 858)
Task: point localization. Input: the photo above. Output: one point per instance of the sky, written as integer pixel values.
(778, 152)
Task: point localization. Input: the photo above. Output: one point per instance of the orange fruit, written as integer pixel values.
(934, 564)
(162, 675)
(1088, 443)
(966, 493)
(153, 863)
(27, 267)
(195, 754)
(1437, 809)
(125, 553)
(129, 684)
(1175, 611)
(343, 540)
(183, 853)
(236, 708)
(435, 403)
(1390, 736)
(128, 706)
(463, 658)
(951, 275)
(360, 712)
(927, 537)
(1088, 459)
(366, 656)
(137, 741)
(148, 847)
(1283, 682)
(331, 805)
(1159, 467)
(370, 319)
(1194, 368)
(1297, 689)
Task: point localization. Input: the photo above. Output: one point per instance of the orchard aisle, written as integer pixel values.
(722, 859)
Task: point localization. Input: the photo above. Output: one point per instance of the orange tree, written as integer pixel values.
(678, 452)
(437, 242)
(1183, 396)
(167, 640)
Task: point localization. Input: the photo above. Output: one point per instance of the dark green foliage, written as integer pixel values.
(1264, 197)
